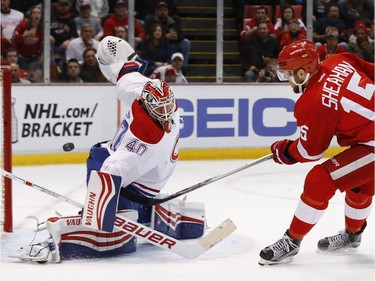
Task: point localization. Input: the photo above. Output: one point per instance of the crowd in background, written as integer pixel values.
(77, 26)
(338, 26)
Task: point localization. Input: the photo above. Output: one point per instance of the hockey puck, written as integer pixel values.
(68, 147)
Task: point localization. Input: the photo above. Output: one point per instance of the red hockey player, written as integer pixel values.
(337, 100)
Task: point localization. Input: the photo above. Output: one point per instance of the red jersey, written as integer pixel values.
(338, 101)
(323, 51)
(251, 24)
(28, 47)
(109, 26)
(286, 39)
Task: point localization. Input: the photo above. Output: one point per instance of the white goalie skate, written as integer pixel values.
(42, 252)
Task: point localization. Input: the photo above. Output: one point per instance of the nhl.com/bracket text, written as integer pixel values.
(51, 120)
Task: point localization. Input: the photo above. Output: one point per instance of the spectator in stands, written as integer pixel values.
(332, 19)
(63, 30)
(268, 74)
(72, 72)
(251, 26)
(177, 61)
(28, 38)
(25, 5)
(122, 32)
(11, 56)
(145, 7)
(15, 74)
(85, 17)
(120, 18)
(99, 8)
(371, 31)
(10, 18)
(90, 71)
(172, 30)
(77, 46)
(320, 8)
(35, 72)
(282, 24)
(294, 34)
(331, 46)
(362, 47)
(170, 75)
(5, 43)
(260, 2)
(354, 10)
(155, 49)
(257, 51)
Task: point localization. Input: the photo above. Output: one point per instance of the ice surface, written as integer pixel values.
(260, 200)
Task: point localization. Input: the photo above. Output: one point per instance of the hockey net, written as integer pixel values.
(6, 149)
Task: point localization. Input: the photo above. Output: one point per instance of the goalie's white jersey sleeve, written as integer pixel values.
(141, 152)
(129, 87)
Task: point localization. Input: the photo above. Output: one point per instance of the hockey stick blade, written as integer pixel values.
(185, 249)
(216, 235)
(156, 201)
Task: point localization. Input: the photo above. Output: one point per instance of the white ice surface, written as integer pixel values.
(260, 200)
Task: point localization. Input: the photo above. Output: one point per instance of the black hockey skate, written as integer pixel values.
(280, 252)
(342, 242)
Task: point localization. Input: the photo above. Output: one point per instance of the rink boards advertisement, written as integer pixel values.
(213, 116)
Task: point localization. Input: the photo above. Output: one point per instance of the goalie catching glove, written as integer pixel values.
(113, 53)
(280, 152)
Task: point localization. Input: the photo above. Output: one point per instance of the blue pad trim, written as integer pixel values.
(95, 161)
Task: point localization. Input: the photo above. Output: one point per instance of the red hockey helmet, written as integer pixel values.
(300, 54)
(159, 101)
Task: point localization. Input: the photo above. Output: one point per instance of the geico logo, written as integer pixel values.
(237, 117)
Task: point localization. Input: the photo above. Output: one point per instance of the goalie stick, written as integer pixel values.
(154, 237)
(156, 201)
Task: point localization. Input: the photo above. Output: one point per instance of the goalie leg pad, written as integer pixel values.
(101, 202)
(98, 154)
(144, 211)
(179, 219)
(73, 241)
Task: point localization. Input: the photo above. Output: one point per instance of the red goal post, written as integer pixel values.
(6, 148)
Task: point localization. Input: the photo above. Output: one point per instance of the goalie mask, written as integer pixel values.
(159, 101)
(301, 54)
(111, 54)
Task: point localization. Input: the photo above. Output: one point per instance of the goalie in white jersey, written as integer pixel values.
(126, 171)
(144, 150)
